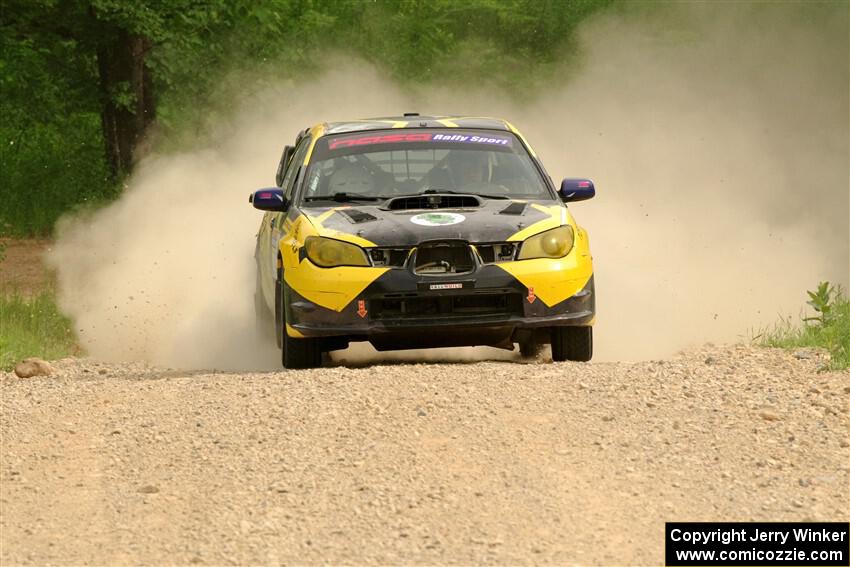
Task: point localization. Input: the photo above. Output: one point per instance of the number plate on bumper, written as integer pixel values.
(445, 286)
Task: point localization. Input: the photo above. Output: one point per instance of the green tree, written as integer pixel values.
(108, 44)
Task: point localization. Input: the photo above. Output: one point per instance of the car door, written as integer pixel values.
(277, 225)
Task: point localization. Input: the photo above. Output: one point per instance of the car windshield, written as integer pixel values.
(377, 165)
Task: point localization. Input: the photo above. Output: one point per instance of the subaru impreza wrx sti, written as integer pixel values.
(418, 232)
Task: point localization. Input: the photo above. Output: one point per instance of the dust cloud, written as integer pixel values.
(717, 136)
(721, 165)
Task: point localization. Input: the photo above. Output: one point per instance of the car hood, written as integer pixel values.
(495, 220)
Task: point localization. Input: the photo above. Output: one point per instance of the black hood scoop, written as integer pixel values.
(356, 217)
(514, 209)
(435, 201)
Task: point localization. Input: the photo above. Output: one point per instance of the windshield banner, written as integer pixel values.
(459, 138)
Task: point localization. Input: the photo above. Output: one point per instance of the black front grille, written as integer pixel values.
(389, 257)
(433, 202)
(449, 257)
(494, 253)
(421, 306)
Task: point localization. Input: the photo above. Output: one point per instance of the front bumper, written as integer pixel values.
(403, 310)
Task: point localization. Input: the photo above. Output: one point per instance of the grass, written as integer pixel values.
(33, 326)
(830, 329)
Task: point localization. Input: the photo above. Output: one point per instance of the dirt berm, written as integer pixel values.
(495, 462)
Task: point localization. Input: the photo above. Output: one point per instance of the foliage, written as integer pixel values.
(50, 169)
(822, 301)
(52, 156)
(32, 327)
(829, 330)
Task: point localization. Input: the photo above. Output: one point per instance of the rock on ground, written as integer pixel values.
(33, 367)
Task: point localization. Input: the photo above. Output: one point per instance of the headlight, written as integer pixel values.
(555, 243)
(328, 253)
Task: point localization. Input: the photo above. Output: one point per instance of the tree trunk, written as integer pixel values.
(127, 97)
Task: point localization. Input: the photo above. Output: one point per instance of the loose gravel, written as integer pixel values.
(489, 462)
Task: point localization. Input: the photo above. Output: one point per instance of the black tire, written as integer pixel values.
(296, 353)
(572, 343)
(263, 317)
(279, 311)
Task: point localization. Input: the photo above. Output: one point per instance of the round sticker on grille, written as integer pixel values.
(437, 219)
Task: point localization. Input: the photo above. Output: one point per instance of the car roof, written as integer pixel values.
(413, 120)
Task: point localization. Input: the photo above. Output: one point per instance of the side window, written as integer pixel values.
(295, 164)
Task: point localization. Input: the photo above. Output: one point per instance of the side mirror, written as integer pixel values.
(270, 199)
(576, 190)
(281, 167)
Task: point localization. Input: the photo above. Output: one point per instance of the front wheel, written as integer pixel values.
(264, 322)
(295, 353)
(572, 343)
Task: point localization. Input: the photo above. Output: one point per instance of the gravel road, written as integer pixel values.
(496, 462)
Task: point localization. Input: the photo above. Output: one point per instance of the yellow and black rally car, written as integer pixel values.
(418, 232)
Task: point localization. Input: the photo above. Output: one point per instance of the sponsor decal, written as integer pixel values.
(465, 138)
(435, 286)
(361, 308)
(437, 219)
(295, 238)
(368, 140)
(378, 139)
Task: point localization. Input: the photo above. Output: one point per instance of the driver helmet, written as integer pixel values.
(467, 166)
(353, 179)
